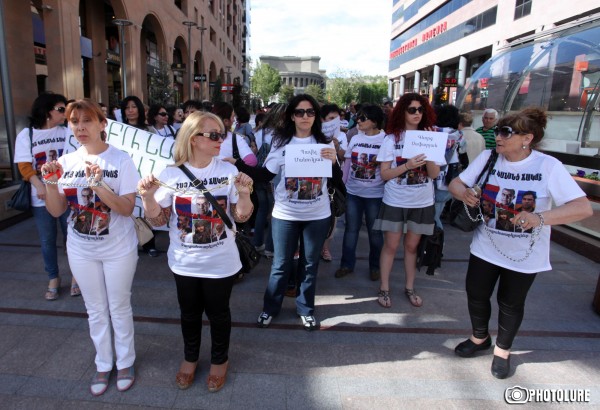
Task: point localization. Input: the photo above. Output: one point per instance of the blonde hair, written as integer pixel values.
(193, 124)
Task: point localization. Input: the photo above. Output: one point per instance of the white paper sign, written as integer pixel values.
(432, 144)
(304, 160)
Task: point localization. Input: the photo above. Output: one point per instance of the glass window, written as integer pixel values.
(522, 8)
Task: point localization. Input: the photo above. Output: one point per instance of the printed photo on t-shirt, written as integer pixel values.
(42, 157)
(89, 215)
(303, 188)
(413, 176)
(197, 221)
(363, 165)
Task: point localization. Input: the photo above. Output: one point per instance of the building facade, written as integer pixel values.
(298, 72)
(76, 48)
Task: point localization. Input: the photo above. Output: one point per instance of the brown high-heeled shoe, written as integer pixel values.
(215, 382)
(185, 380)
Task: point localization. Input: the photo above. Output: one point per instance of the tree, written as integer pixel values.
(341, 91)
(286, 93)
(161, 89)
(265, 81)
(316, 92)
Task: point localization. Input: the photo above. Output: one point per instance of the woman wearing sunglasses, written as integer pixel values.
(364, 190)
(203, 264)
(514, 258)
(302, 214)
(103, 254)
(408, 194)
(36, 145)
(158, 119)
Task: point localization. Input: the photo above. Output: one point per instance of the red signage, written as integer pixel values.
(437, 30)
(227, 88)
(449, 82)
(404, 48)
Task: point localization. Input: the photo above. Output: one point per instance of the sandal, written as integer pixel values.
(75, 291)
(413, 298)
(125, 379)
(384, 298)
(99, 383)
(52, 293)
(216, 382)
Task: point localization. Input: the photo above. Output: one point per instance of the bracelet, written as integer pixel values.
(242, 218)
(539, 214)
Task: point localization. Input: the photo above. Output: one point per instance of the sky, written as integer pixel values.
(350, 35)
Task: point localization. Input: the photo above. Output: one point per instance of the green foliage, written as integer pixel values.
(265, 81)
(316, 92)
(286, 93)
(161, 89)
(217, 95)
(345, 87)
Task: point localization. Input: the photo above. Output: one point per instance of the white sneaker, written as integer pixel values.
(264, 319)
(309, 322)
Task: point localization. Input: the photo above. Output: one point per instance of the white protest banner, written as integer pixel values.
(304, 160)
(150, 153)
(430, 143)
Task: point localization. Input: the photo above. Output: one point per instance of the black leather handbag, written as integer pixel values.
(21, 199)
(249, 256)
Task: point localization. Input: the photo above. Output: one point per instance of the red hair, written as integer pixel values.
(396, 123)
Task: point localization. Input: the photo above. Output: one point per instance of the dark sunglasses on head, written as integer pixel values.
(506, 132)
(162, 114)
(362, 118)
(413, 110)
(299, 112)
(214, 136)
(60, 109)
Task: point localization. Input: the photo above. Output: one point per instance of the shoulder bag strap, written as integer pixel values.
(199, 185)
(236, 151)
(487, 168)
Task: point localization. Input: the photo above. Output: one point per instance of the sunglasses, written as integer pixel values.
(299, 112)
(362, 118)
(414, 110)
(162, 114)
(506, 132)
(60, 109)
(214, 136)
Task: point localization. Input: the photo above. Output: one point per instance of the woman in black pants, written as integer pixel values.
(514, 254)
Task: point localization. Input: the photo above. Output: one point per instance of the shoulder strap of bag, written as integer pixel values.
(199, 185)
(488, 168)
(236, 152)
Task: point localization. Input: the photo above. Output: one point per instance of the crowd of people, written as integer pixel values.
(224, 169)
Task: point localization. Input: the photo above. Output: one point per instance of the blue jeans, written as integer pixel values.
(285, 240)
(441, 197)
(47, 230)
(265, 207)
(356, 207)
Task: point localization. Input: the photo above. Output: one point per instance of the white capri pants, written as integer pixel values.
(106, 289)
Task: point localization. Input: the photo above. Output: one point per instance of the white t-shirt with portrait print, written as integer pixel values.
(364, 178)
(540, 176)
(412, 189)
(47, 146)
(298, 198)
(200, 245)
(94, 230)
(227, 147)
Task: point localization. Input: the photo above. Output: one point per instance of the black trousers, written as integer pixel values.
(512, 291)
(199, 295)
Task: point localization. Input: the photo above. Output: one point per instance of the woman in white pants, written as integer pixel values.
(98, 183)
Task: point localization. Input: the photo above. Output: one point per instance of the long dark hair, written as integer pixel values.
(153, 112)
(141, 121)
(42, 106)
(283, 134)
(396, 123)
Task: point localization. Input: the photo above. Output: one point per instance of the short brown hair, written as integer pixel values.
(465, 118)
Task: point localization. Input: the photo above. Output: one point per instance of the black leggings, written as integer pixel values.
(512, 291)
(199, 295)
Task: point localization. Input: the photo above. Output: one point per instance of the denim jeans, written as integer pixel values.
(285, 240)
(265, 207)
(356, 207)
(47, 228)
(441, 197)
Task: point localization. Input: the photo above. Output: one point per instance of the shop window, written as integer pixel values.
(522, 8)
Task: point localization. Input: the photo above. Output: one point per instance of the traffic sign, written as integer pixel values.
(200, 77)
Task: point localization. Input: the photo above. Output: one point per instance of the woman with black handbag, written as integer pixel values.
(43, 141)
(512, 253)
(205, 260)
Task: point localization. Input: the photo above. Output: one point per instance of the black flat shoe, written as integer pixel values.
(468, 348)
(500, 367)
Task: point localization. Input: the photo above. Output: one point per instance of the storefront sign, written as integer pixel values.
(449, 82)
(409, 45)
(435, 31)
(112, 57)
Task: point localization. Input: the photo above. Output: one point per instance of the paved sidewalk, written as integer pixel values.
(365, 356)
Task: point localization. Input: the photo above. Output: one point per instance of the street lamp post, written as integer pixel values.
(189, 25)
(122, 23)
(202, 29)
(228, 81)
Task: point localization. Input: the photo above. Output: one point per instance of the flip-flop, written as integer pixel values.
(413, 298)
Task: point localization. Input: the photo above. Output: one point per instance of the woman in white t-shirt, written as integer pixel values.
(41, 142)
(202, 251)
(408, 194)
(301, 212)
(503, 252)
(158, 119)
(98, 183)
(364, 188)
